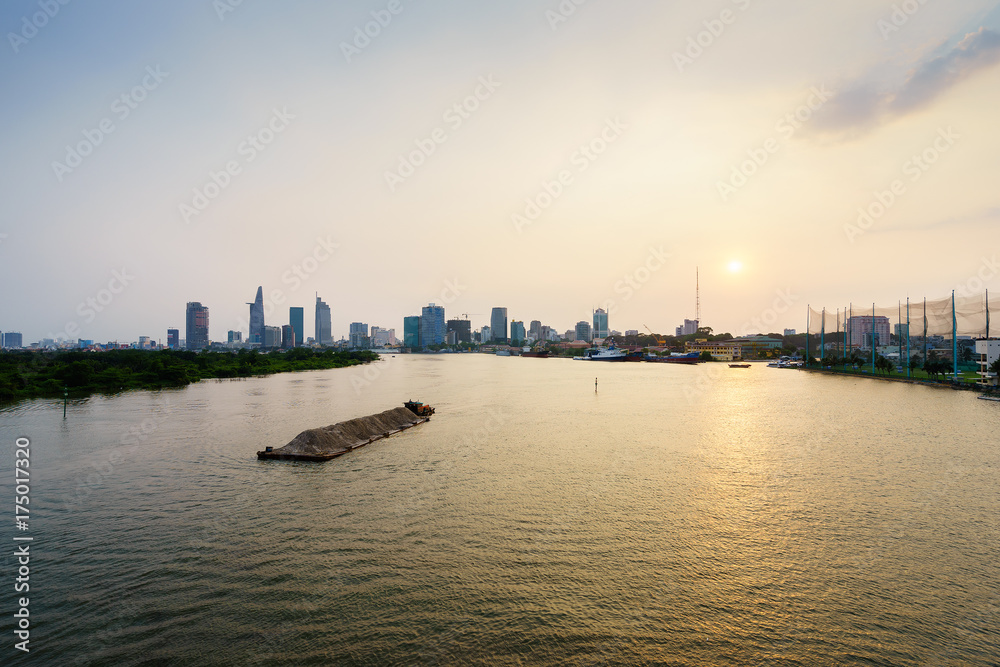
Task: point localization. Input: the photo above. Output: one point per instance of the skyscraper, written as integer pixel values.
(295, 319)
(411, 331)
(272, 337)
(12, 340)
(535, 330)
(288, 340)
(517, 335)
(462, 329)
(498, 324)
(600, 323)
(257, 318)
(582, 331)
(323, 323)
(432, 330)
(358, 334)
(173, 339)
(196, 330)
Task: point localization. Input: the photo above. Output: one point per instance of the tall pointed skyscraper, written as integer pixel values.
(257, 318)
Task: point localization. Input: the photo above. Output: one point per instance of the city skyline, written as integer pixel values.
(595, 165)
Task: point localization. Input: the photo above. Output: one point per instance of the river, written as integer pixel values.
(686, 515)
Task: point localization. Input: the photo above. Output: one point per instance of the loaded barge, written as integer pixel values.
(329, 442)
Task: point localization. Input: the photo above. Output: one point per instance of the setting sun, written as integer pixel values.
(735, 266)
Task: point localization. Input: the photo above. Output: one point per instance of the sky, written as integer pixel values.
(548, 157)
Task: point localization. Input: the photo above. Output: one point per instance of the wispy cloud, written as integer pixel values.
(861, 106)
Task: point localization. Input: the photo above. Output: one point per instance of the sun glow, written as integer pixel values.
(735, 266)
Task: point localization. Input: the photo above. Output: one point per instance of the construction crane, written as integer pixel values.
(659, 341)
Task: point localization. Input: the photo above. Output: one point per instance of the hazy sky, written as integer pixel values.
(403, 167)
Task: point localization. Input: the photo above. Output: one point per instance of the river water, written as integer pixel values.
(686, 515)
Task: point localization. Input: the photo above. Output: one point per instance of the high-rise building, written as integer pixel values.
(462, 329)
(234, 336)
(432, 329)
(173, 339)
(383, 337)
(548, 333)
(295, 320)
(288, 340)
(359, 335)
(272, 337)
(12, 340)
(196, 329)
(535, 330)
(257, 318)
(582, 331)
(600, 323)
(411, 331)
(485, 335)
(860, 328)
(689, 327)
(145, 343)
(789, 332)
(323, 323)
(498, 324)
(517, 334)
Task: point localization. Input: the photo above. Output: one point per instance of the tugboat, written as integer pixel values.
(418, 408)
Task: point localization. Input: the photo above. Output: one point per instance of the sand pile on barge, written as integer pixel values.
(327, 442)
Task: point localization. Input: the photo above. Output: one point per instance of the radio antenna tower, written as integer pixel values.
(697, 298)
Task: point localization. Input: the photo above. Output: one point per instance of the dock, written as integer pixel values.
(329, 442)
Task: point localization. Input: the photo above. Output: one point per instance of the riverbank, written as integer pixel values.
(948, 383)
(30, 374)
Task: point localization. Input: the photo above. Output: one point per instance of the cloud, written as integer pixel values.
(862, 105)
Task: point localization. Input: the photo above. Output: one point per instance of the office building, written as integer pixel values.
(12, 340)
(789, 332)
(296, 317)
(498, 324)
(600, 323)
(323, 323)
(234, 336)
(517, 334)
(359, 335)
(535, 330)
(257, 318)
(272, 337)
(462, 329)
(145, 343)
(432, 328)
(196, 329)
(901, 331)
(288, 339)
(173, 339)
(411, 331)
(582, 331)
(485, 335)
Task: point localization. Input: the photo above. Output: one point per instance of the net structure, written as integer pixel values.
(911, 327)
(949, 316)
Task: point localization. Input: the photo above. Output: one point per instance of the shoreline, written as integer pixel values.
(941, 384)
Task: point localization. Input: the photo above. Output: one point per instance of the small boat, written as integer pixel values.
(989, 398)
(541, 354)
(739, 365)
(418, 408)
